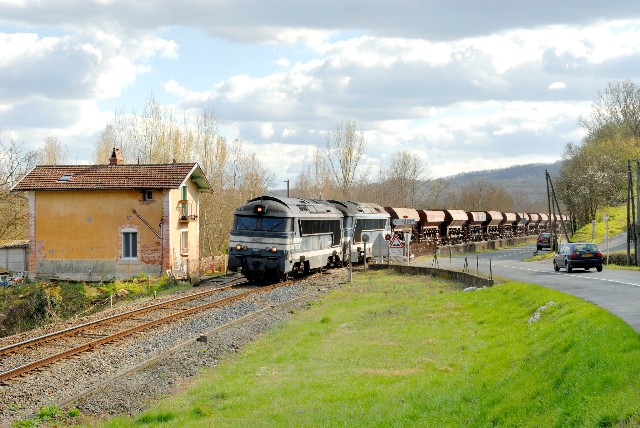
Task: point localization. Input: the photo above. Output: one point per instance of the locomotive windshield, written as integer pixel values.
(368, 224)
(264, 224)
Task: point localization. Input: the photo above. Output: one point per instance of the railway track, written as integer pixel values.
(33, 354)
(121, 376)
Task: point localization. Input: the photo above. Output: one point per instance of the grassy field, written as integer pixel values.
(391, 350)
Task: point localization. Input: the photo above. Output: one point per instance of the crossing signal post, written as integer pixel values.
(396, 248)
(404, 222)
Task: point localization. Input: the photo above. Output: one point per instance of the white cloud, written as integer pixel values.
(283, 62)
(267, 130)
(557, 85)
(289, 132)
(425, 76)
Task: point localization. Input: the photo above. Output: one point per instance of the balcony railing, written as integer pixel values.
(187, 211)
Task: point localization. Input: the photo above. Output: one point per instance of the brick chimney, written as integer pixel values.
(116, 157)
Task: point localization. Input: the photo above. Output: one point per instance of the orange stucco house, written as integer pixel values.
(113, 221)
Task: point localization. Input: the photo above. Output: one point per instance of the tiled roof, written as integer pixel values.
(105, 177)
(16, 243)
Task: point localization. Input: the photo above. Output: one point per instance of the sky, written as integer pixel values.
(466, 85)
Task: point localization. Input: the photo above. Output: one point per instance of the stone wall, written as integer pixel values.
(462, 277)
(470, 247)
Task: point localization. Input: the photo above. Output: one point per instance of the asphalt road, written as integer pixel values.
(617, 291)
(615, 243)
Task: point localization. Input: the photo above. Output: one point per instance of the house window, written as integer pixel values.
(184, 242)
(185, 206)
(129, 244)
(147, 195)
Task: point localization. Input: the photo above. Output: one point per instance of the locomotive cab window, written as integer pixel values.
(263, 224)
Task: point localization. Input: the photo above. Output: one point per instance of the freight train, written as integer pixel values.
(275, 238)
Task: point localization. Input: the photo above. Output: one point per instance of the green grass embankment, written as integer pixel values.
(617, 224)
(391, 350)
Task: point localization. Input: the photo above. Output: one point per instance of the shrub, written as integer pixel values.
(48, 412)
(73, 299)
(619, 258)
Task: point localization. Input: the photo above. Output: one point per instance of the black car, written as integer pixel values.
(544, 241)
(578, 255)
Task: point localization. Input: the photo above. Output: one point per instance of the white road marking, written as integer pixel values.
(573, 275)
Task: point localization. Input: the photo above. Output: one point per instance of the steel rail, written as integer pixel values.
(144, 364)
(94, 344)
(57, 334)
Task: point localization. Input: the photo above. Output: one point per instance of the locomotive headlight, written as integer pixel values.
(273, 249)
(238, 247)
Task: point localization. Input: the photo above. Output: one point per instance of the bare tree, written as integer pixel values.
(15, 162)
(404, 180)
(480, 195)
(315, 179)
(105, 144)
(158, 135)
(345, 149)
(53, 152)
(240, 177)
(115, 134)
(303, 184)
(617, 106)
(437, 189)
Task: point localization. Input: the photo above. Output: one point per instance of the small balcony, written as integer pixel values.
(187, 211)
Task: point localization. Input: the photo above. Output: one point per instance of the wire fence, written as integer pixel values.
(482, 268)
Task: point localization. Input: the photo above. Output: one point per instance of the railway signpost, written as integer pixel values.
(403, 222)
(407, 236)
(396, 247)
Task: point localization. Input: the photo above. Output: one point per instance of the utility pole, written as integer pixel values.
(551, 236)
(635, 228)
(546, 177)
(553, 199)
(629, 198)
(287, 181)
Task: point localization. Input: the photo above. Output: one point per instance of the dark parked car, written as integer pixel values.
(580, 255)
(544, 241)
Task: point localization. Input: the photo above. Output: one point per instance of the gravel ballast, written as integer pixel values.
(127, 377)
